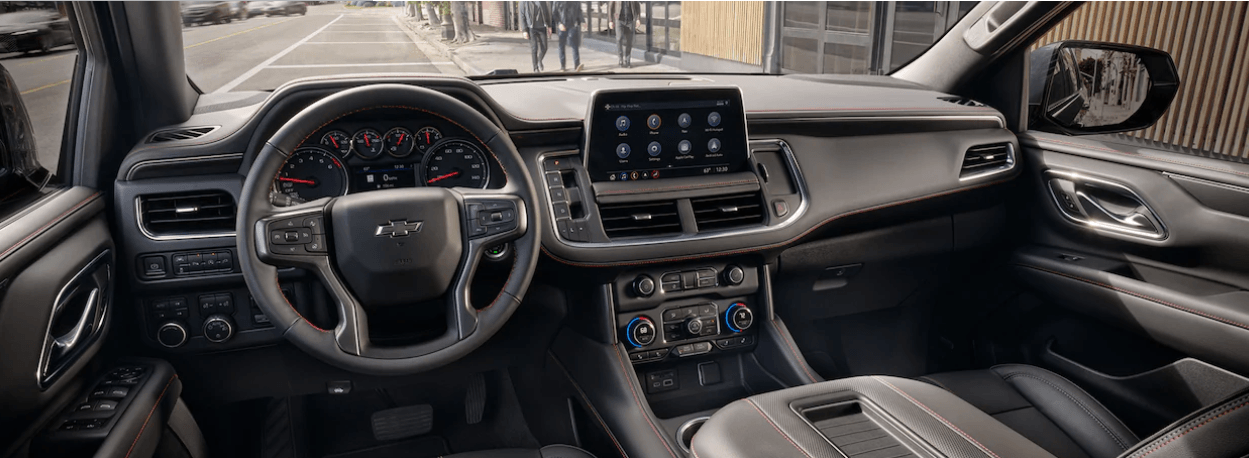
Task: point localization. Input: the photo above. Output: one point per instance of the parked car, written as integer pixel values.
(205, 13)
(285, 8)
(255, 8)
(240, 10)
(36, 30)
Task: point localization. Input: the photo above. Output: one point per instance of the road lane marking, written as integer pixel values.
(40, 88)
(363, 31)
(254, 70)
(45, 59)
(357, 42)
(235, 34)
(373, 64)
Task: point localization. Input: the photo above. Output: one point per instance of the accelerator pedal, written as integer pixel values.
(475, 399)
(403, 422)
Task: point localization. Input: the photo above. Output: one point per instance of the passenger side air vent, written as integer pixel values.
(964, 101)
(188, 214)
(985, 160)
(635, 219)
(724, 212)
(180, 134)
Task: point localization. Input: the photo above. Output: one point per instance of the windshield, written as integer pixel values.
(261, 45)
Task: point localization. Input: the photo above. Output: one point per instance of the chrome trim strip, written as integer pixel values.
(43, 376)
(138, 221)
(794, 170)
(1008, 166)
(1161, 235)
(130, 173)
(685, 426)
(782, 120)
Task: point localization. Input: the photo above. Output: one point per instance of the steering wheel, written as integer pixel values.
(388, 248)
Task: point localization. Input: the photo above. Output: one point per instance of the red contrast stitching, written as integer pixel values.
(1142, 296)
(789, 343)
(938, 417)
(777, 244)
(45, 227)
(630, 383)
(682, 187)
(292, 306)
(778, 429)
(149, 415)
(586, 399)
(1189, 430)
(1159, 159)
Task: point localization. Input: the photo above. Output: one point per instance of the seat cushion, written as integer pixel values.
(550, 451)
(1042, 406)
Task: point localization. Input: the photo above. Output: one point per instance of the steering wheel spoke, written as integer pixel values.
(491, 218)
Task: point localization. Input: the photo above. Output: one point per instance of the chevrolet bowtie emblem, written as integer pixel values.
(399, 228)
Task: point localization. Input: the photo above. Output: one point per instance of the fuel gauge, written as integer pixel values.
(399, 142)
(425, 137)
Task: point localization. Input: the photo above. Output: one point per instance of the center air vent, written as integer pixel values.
(985, 160)
(964, 101)
(188, 214)
(636, 219)
(180, 134)
(723, 212)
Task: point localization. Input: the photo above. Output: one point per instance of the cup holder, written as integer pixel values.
(685, 434)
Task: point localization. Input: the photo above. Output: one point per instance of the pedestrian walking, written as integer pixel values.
(535, 20)
(627, 17)
(568, 19)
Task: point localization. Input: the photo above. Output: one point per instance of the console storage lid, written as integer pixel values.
(858, 417)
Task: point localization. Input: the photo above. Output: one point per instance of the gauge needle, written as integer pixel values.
(442, 177)
(366, 142)
(426, 136)
(401, 135)
(297, 180)
(335, 142)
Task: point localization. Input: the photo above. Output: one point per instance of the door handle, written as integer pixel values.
(1103, 205)
(77, 318)
(69, 341)
(1135, 219)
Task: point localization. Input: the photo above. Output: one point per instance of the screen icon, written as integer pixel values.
(713, 145)
(653, 122)
(713, 118)
(624, 176)
(654, 149)
(633, 176)
(622, 123)
(623, 150)
(684, 120)
(684, 147)
(654, 174)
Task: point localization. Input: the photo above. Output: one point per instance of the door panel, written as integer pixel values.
(57, 272)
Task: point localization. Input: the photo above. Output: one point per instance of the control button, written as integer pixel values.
(84, 407)
(154, 266)
(694, 326)
(316, 224)
(116, 392)
(623, 150)
(714, 119)
(713, 145)
(684, 120)
(218, 328)
(105, 406)
(654, 149)
(689, 280)
(684, 147)
(207, 304)
(845, 271)
(653, 121)
(224, 303)
(641, 355)
(671, 281)
(696, 348)
(559, 194)
(643, 286)
(562, 211)
(622, 123)
(316, 245)
(172, 334)
(739, 317)
(554, 179)
(338, 387)
(295, 250)
(706, 281)
(734, 275)
(580, 231)
(705, 310)
(780, 207)
(640, 332)
(196, 262)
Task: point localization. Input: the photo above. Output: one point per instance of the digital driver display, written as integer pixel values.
(654, 134)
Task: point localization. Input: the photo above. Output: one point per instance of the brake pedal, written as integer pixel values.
(403, 422)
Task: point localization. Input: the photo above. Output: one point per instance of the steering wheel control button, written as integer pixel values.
(490, 217)
(714, 119)
(734, 275)
(316, 245)
(684, 120)
(498, 252)
(623, 150)
(640, 332)
(643, 286)
(218, 328)
(739, 317)
(622, 123)
(315, 224)
(696, 348)
(172, 334)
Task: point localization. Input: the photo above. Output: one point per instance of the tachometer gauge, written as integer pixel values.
(338, 142)
(454, 163)
(426, 137)
(310, 174)
(399, 142)
(367, 143)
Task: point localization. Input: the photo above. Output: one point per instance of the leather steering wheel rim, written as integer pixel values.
(347, 346)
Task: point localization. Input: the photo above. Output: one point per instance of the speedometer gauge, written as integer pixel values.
(310, 174)
(455, 163)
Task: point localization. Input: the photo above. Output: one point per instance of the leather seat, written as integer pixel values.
(550, 451)
(1042, 406)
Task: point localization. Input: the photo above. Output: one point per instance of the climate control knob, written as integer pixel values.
(643, 286)
(218, 328)
(694, 326)
(739, 317)
(640, 332)
(172, 334)
(734, 275)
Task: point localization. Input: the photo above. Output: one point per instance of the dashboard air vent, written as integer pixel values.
(635, 219)
(964, 101)
(180, 134)
(723, 212)
(986, 159)
(187, 213)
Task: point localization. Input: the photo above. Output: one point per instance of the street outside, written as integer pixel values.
(260, 53)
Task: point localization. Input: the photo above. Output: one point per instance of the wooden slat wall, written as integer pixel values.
(726, 30)
(1210, 44)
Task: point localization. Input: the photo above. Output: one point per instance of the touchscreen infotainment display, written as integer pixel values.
(663, 133)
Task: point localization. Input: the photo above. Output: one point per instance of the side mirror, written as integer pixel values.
(1086, 87)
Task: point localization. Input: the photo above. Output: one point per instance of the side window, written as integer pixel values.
(38, 55)
(1209, 42)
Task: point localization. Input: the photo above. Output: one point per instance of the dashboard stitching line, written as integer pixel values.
(772, 245)
(45, 227)
(1142, 296)
(1125, 153)
(938, 417)
(682, 187)
(149, 415)
(777, 428)
(630, 382)
(789, 343)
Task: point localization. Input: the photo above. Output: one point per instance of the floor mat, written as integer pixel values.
(421, 447)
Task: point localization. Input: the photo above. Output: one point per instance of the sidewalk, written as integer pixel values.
(508, 49)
